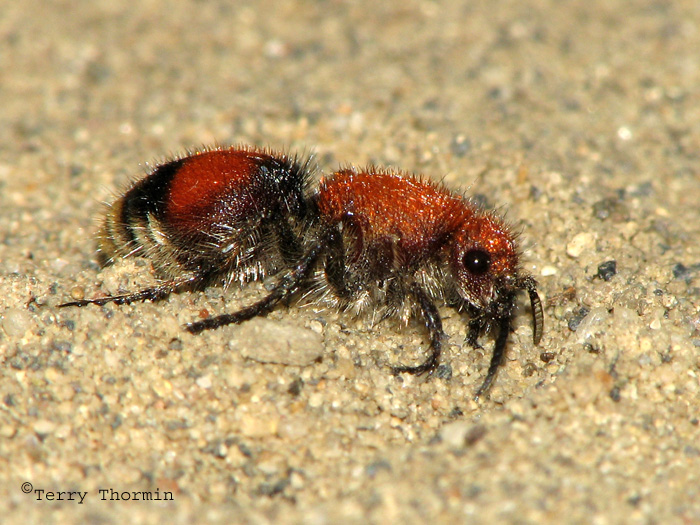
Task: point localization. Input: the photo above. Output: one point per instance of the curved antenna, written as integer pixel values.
(529, 284)
(537, 316)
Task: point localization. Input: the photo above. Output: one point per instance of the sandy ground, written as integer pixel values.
(580, 120)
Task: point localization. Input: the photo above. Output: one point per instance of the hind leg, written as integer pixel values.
(292, 281)
(155, 293)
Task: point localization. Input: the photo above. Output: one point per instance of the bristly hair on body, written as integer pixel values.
(364, 239)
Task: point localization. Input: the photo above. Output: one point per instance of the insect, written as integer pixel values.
(363, 238)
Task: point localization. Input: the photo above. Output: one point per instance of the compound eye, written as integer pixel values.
(477, 262)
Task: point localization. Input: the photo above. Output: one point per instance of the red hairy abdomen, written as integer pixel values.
(210, 181)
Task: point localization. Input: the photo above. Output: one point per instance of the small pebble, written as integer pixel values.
(44, 427)
(16, 321)
(580, 243)
(607, 270)
(461, 434)
(204, 382)
(280, 342)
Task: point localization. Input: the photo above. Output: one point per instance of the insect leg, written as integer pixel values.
(477, 325)
(335, 266)
(156, 293)
(287, 285)
(431, 316)
(497, 356)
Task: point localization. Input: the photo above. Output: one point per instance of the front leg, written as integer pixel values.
(499, 350)
(477, 325)
(433, 322)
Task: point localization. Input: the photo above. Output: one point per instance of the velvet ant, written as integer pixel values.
(364, 238)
